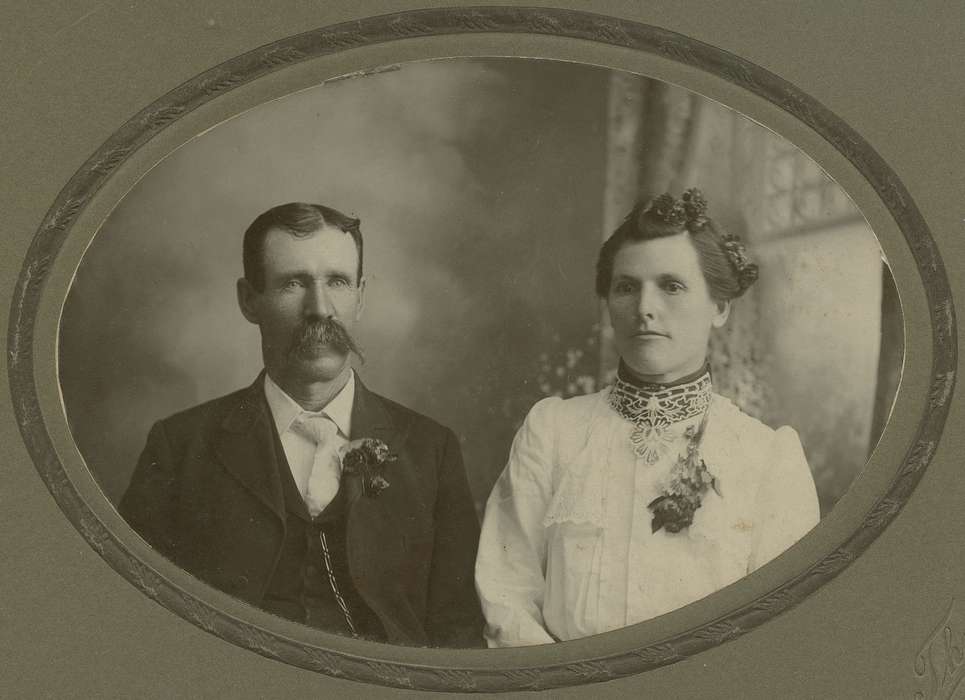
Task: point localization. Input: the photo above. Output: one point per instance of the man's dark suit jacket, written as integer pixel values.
(207, 494)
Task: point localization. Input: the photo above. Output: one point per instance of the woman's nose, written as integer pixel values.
(647, 303)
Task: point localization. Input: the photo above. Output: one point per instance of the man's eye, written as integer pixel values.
(293, 284)
(674, 287)
(623, 288)
(338, 282)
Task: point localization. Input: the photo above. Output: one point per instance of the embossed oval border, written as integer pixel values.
(571, 24)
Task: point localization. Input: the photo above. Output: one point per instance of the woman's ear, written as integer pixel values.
(723, 311)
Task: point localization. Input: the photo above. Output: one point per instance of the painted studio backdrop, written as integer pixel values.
(485, 188)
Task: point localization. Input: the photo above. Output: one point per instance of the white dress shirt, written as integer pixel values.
(299, 449)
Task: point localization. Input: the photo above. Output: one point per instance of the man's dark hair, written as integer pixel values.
(300, 220)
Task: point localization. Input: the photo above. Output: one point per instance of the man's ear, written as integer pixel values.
(723, 311)
(247, 300)
(360, 304)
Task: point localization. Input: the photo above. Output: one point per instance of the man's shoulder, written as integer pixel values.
(206, 415)
(412, 421)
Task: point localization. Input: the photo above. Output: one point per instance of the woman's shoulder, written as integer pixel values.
(751, 434)
(746, 452)
(554, 409)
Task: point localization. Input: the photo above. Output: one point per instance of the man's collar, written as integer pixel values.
(284, 409)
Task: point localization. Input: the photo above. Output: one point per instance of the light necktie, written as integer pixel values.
(326, 469)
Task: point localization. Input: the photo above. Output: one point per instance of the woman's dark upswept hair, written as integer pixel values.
(723, 260)
(300, 220)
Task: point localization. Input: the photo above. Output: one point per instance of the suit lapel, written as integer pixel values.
(374, 540)
(246, 448)
(370, 419)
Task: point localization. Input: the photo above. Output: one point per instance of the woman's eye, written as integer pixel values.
(622, 288)
(673, 287)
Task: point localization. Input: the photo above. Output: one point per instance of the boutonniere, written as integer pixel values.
(367, 458)
(689, 480)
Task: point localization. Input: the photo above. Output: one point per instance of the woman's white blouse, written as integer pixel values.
(567, 550)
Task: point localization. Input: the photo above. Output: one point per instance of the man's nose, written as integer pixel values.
(317, 301)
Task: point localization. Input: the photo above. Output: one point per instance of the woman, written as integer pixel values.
(622, 505)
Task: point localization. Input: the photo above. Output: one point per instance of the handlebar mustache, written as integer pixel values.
(328, 331)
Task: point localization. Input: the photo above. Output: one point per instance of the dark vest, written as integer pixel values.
(311, 583)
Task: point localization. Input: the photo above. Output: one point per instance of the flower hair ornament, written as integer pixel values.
(690, 211)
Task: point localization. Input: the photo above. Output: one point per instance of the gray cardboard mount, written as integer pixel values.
(75, 72)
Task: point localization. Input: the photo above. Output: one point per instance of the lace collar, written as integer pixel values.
(654, 410)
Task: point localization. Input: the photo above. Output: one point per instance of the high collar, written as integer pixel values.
(284, 409)
(661, 405)
(625, 374)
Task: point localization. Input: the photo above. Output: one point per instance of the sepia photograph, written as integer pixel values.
(597, 358)
(382, 349)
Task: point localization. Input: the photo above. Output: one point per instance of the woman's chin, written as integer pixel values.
(658, 372)
(647, 366)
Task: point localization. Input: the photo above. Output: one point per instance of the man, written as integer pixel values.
(249, 492)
